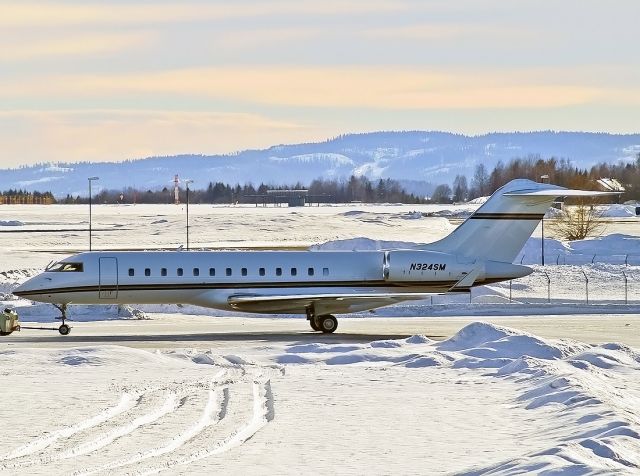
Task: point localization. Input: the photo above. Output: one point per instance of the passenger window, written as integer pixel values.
(196, 271)
(325, 271)
(147, 272)
(294, 271)
(310, 271)
(262, 272)
(228, 271)
(278, 271)
(163, 272)
(131, 272)
(180, 272)
(212, 271)
(244, 271)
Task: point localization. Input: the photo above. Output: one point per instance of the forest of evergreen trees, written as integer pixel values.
(23, 197)
(356, 189)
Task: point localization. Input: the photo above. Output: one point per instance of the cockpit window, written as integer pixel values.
(63, 266)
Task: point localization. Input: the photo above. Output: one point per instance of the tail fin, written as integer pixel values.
(498, 230)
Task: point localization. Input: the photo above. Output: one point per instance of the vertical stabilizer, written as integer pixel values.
(498, 230)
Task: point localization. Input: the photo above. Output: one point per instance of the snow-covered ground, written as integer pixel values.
(489, 400)
(147, 389)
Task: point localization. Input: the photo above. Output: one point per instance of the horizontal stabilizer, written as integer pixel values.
(559, 193)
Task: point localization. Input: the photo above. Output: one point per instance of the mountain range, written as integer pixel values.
(418, 159)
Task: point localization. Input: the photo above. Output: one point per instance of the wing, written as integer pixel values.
(322, 303)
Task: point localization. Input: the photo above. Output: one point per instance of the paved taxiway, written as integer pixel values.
(179, 331)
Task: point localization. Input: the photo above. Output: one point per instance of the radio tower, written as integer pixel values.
(176, 190)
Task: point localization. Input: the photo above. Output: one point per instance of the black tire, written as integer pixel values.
(7, 333)
(64, 329)
(327, 323)
(314, 324)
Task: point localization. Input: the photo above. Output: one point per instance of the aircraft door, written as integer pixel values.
(108, 284)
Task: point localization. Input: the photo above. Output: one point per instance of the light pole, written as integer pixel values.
(542, 179)
(91, 179)
(187, 182)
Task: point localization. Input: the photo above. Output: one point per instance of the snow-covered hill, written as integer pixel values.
(417, 158)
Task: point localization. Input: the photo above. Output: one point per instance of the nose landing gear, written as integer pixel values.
(64, 329)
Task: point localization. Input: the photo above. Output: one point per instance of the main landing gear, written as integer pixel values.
(325, 323)
(64, 329)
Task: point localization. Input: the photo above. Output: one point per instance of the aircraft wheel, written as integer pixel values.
(314, 324)
(64, 329)
(327, 323)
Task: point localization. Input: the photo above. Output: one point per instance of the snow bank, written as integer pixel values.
(412, 215)
(478, 201)
(595, 427)
(475, 345)
(615, 243)
(456, 213)
(618, 211)
(362, 244)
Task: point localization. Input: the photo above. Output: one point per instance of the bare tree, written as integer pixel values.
(460, 188)
(577, 222)
(480, 180)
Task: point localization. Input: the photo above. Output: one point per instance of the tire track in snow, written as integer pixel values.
(127, 401)
(218, 400)
(262, 413)
(171, 403)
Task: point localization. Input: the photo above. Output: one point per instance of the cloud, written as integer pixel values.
(113, 135)
(444, 31)
(71, 45)
(322, 87)
(60, 14)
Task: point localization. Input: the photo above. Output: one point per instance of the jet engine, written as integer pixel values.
(409, 265)
(423, 266)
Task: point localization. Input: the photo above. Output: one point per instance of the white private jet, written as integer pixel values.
(316, 283)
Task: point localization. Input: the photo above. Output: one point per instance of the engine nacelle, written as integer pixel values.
(410, 265)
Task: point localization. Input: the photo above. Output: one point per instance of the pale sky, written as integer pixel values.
(115, 80)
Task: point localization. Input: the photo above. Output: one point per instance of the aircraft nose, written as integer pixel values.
(28, 287)
(20, 290)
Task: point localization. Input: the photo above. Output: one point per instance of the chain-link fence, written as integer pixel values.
(585, 284)
(579, 258)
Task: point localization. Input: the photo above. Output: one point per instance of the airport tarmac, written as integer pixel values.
(163, 331)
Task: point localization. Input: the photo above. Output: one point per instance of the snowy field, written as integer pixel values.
(499, 382)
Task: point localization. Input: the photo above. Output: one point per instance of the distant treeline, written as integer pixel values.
(18, 197)
(358, 189)
(555, 171)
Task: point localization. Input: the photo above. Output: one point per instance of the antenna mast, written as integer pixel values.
(176, 190)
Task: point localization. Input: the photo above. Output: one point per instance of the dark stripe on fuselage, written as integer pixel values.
(506, 216)
(282, 285)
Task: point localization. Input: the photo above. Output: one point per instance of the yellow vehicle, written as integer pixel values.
(9, 322)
